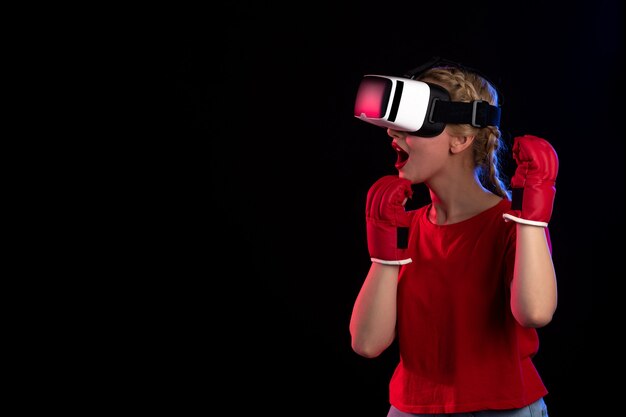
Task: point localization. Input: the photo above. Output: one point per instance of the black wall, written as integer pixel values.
(265, 94)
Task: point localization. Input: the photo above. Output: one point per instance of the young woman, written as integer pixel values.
(465, 296)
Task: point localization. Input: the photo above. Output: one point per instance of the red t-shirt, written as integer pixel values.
(461, 349)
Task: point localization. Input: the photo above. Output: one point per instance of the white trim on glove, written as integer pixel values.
(401, 262)
(508, 217)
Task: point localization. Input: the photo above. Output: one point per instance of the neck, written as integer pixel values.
(459, 202)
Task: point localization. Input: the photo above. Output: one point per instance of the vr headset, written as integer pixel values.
(420, 108)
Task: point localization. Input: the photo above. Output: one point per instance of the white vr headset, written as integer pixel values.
(417, 107)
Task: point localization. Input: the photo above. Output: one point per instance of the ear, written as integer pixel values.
(459, 143)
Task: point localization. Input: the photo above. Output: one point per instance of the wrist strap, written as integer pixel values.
(508, 217)
(400, 262)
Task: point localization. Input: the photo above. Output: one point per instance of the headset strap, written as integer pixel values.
(478, 113)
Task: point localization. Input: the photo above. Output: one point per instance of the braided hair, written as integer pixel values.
(466, 86)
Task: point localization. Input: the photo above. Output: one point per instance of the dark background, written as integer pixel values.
(264, 100)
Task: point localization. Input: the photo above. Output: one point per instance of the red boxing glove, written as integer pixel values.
(387, 220)
(533, 182)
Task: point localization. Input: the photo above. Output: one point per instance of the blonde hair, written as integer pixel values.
(467, 86)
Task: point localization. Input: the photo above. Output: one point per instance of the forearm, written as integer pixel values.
(373, 321)
(533, 289)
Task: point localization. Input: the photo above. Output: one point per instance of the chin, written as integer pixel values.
(413, 179)
(401, 174)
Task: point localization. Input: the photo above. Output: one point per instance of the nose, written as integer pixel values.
(395, 134)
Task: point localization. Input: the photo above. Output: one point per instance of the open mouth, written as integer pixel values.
(403, 156)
